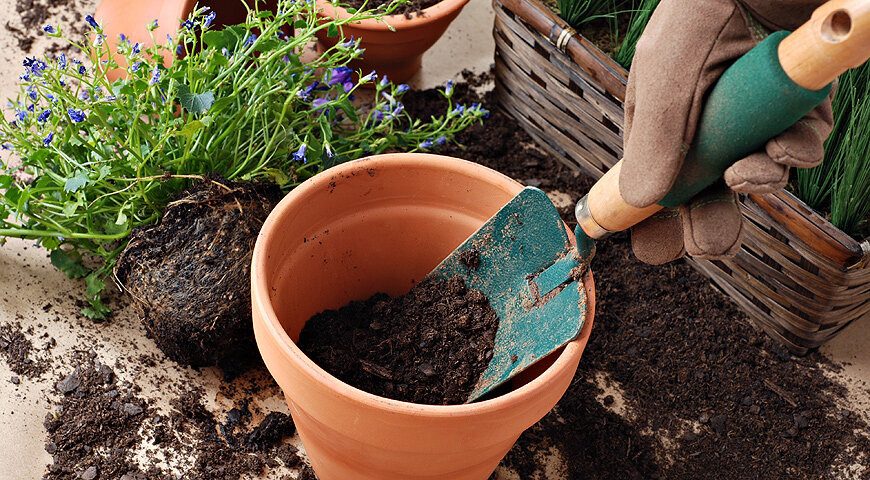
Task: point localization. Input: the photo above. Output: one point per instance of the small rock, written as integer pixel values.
(133, 476)
(704, 418)
(106, 374)
(690, 436)
(790, 433)
(111, 393)
(234, 415)
(131, 409)
(426, 369)
(69, 384)
(719, 423)
(534, 182)
(89, 474)
(51, 448)
(15, 380)
(608, 400)
(755, 409)
(747, 400)
(801, 421)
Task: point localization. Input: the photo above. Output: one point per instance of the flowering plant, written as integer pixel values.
(101, 158)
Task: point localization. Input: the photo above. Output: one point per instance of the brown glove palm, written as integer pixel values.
(686, 47)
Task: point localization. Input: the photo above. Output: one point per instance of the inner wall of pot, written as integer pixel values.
(377, 230)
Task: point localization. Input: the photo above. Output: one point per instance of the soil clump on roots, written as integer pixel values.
(429, 346)
(189, 276)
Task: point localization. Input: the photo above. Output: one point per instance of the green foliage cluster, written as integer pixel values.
(87, 160)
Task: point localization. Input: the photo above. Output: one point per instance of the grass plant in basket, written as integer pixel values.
(87, 161)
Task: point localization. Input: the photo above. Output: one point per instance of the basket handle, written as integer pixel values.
(758, 97)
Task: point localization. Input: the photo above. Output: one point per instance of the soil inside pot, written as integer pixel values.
(429, 346)
(415, 7)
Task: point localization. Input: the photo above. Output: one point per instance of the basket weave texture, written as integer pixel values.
(797, 276)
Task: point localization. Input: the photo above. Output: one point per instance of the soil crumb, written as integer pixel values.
(429, 346)
(19, 352)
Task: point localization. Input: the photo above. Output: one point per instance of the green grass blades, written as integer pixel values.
(641, 12)
(579, 12)
(841, 184)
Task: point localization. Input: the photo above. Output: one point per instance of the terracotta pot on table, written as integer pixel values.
(379, 225)
(397, 54)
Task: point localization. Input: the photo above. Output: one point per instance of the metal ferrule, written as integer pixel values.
(586, 222)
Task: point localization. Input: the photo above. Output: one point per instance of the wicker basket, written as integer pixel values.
(797, 276)
(561, 88)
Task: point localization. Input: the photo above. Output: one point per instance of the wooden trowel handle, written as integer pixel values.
(757, 98)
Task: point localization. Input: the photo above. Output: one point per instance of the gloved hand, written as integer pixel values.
(686, 47)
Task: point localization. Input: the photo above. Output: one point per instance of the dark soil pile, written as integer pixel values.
(189, 276)
(707, 395)
(415, 7)
(100, 422)
(429, 346)
(19, 351)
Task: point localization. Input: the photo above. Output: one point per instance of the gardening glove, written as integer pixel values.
(684, 50)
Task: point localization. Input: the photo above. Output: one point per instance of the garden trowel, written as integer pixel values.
(528, 268)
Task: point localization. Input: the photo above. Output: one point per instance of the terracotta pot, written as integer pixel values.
(397, 54)
(380, 224)
(132, 19)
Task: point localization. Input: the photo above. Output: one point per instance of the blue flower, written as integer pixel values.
(339, 75)
(224, 51)
(384, 81)
(399, 108)
(155, 77)
(110, 98)
(371, 76)
(123, 38)
(299, 155)
(84, 95)
(137, 47)
(31, 92)
(24, 78)
(441, 140)
(135, 66)
(425, 144)
(30, 108)
(6, 146)
(458, 110)
(187, 24)
(349, 43)
(448, 90)
(153, 25)
(34, 66)
(208, 19)
(51, 98)
(305, 94)
(47, 140)
(402, 88)
(179, 49)
(21, 114)
(319, 102)
(91, 21)
(82, 69)
(43, 116)
(250, 40)
(61, 61)
(49, 29)
(76, 115)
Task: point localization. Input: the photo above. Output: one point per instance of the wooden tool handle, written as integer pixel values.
(757, 98)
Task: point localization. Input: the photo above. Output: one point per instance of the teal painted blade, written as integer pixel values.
(526, 261)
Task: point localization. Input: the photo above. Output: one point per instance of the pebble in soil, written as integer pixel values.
(429, 346)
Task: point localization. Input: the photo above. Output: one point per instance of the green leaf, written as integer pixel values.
(191, 128)
(5, 181)
(300, 24)
(94, 285)
(332, 30)
(72, 184)
(70, 207)
(267, 45)
(97, 311)
(214, 39)
(67, 265)
(351, 10)
(104, 171)
(39, 156)
(49, 243)
(220, 105)
(348, 109)
(194, 102)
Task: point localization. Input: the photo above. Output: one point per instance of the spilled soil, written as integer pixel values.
(412, 8)
(429, 346)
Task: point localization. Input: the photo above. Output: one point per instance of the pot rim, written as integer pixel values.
(399, 21)
(293, 353)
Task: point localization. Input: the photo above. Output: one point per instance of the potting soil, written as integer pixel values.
(414, 7)
(429, 346)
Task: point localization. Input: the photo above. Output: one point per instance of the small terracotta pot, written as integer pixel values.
(379, 225)
(132, 19)
(397, 54)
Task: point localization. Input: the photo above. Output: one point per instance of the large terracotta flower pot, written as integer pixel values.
(397, 54)
(133, 17)
(380, 224)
